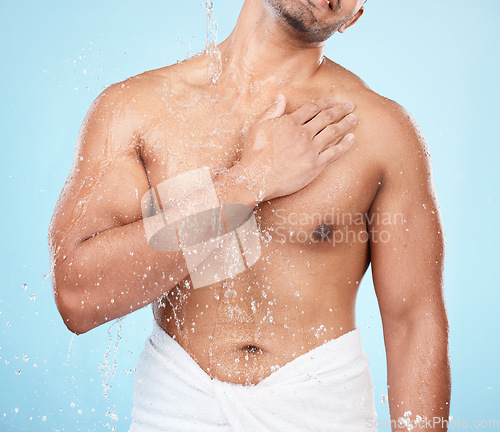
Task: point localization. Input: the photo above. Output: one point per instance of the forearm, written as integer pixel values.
(116, 272)
(418, 374)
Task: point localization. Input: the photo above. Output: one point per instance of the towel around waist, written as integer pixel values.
(328, 388)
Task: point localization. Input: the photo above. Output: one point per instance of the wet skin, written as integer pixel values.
(315, 248)
(302, 291)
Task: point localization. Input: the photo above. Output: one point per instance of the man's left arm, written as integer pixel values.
(407, 255)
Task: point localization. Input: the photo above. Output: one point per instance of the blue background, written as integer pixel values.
(438, 59)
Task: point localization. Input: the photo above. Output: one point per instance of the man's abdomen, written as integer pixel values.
(291, 301)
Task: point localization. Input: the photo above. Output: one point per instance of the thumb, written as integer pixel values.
(277, 109)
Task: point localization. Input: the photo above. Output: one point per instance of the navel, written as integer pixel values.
(252, 349)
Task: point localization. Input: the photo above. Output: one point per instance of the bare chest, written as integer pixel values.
(212, 135)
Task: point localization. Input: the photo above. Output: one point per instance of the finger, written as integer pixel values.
(332, 134)
(277, 109)
(328, 117)
(334, 152)
(307, 111)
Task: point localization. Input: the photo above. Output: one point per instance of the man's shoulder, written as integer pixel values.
(391, 127)
(383, 116)
(129, 106)
(144, 89)
(396, 142)
(386, 130)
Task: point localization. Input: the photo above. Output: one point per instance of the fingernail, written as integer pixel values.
(349, 137)
(352, 117)
(349, 105)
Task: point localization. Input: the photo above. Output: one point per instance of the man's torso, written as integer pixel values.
(314, 243)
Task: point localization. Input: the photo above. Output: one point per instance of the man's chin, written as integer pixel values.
(304, 22)
(311, 33)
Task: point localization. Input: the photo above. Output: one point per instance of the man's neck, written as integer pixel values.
(260, 50)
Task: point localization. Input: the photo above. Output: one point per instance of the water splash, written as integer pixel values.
(108, 368)
(69, 350)
(213, 53)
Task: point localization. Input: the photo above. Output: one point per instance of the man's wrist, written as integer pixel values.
(235, 187)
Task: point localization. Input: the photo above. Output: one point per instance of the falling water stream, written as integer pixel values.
(108, 367)
(211, 49)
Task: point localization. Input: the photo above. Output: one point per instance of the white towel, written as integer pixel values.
(326, 389)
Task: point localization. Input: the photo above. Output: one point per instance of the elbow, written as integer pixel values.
(72, 308)
(68, 295)
(73, 327)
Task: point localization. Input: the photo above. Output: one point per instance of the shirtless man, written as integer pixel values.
(330, 204)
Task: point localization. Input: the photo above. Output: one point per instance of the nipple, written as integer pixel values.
(323, 232)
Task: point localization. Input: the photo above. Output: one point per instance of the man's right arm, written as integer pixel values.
(102, 265)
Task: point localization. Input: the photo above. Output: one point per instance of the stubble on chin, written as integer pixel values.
(301, 23)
